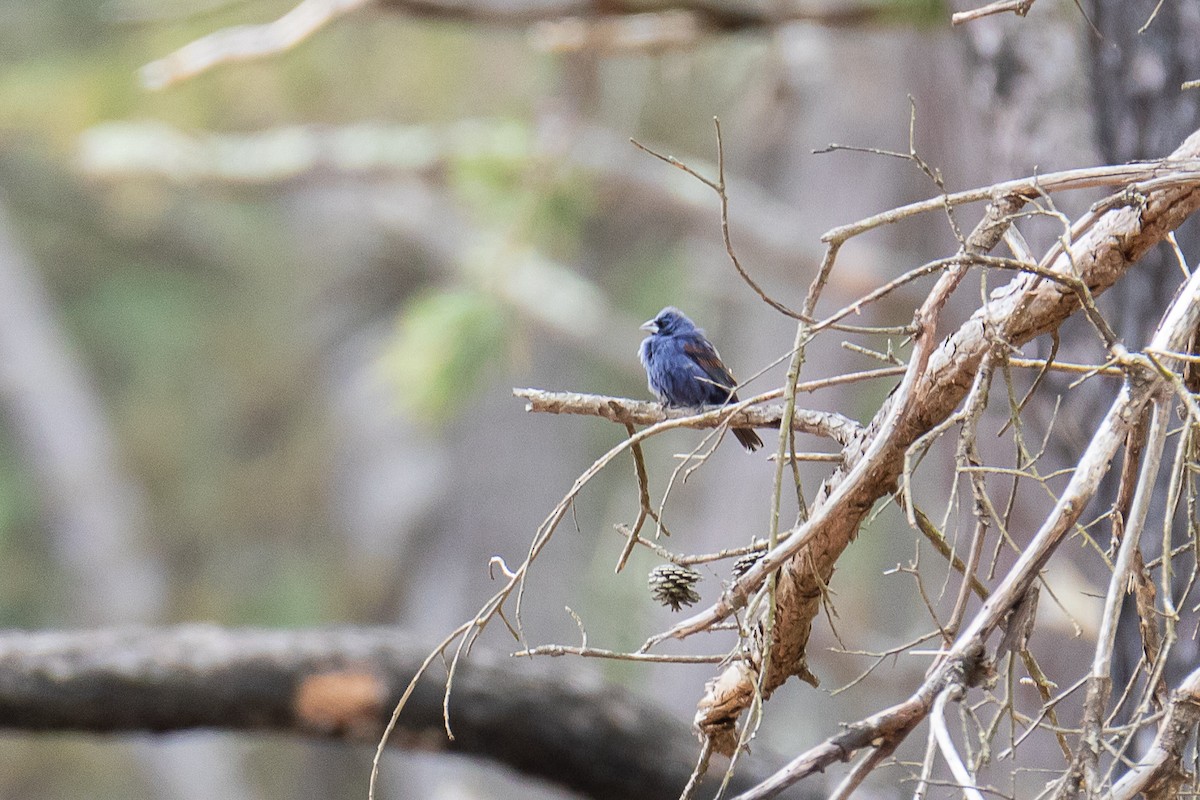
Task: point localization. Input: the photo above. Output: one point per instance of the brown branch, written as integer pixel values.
(341, 684)
(960, 666)
(1026, 307)
(639, 412)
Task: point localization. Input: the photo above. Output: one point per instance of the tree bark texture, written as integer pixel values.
(1027, 307)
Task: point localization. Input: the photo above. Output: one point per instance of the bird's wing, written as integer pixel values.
(705, 356)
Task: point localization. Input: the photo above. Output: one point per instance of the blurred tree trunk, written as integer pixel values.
(1140, 113)
(94, 511)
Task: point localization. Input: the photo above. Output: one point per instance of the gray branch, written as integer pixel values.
(343, 683)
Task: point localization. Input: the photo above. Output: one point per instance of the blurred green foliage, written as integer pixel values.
(185, 305)
(495, 171)
(444, 340)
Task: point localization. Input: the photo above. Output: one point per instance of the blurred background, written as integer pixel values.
(259, 329)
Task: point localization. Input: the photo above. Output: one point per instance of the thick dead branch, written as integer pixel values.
(1027, 307)
(341, 684)
(829, 424)
(961, 665)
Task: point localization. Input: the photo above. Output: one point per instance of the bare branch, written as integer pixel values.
(341, 683)
(949, 752)
(1184, 168)
(1018, 7)
(1026, 307)
(961, 664)
(556, 650)
(245, 42)
(834, 426)
(1082, 777)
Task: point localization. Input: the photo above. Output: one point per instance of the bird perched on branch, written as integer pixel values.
(684, 369)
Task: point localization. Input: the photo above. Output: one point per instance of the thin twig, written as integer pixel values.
(718, 186)
(644, 509)
(1067, 180)
(556, 650)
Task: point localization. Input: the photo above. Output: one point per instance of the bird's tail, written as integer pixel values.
(748, 438)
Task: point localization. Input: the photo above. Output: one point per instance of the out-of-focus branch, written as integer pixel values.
(619, 25)
(1018, 7)
(830, 424)
(245, 42)
(367, 150)
(423, 214)
(341, 683)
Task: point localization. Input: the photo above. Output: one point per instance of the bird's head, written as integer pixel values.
(669, 321)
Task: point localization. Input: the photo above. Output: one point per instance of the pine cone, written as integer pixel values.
(671, 585)
(743, 564)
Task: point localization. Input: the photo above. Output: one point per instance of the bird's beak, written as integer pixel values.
(650, 325)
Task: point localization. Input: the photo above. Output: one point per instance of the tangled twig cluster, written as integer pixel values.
(943, 386)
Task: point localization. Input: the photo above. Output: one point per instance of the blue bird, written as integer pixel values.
(684, 369)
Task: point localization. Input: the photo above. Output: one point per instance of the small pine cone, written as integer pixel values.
(743, 564)
(671, 585)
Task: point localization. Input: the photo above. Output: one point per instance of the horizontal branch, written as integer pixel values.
(342, 683)
(829, 424)
(246, 42)
(1183, 169)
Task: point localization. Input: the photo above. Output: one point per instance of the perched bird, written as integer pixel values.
(684, 369)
